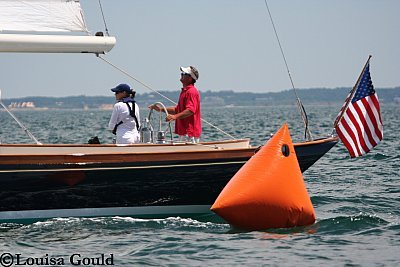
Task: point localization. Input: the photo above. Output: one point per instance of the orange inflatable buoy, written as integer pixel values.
(268, 191)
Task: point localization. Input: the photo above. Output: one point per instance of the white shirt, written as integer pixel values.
(127, 132)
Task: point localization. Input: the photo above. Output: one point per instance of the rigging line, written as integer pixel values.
(155, 91)
(133, 78)
(104, 19)
(299, 104)
(20, 123)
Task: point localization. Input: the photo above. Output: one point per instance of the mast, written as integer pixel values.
(307, 132)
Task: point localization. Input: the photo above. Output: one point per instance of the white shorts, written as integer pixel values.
(185, 138)
(127, 137)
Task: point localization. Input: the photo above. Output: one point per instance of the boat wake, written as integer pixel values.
(117, 222)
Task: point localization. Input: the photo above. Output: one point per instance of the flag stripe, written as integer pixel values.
(363, 128)
(374, 120)
(356, 130)
(374, 99)
(377, 115)
(341, 131)
(366, 132)
(350, 136)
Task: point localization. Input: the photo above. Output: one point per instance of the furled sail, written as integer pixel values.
(25, 26)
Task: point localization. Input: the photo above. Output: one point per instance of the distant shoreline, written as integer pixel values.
(226, 99)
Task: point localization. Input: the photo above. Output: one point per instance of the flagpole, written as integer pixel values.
(351, 95)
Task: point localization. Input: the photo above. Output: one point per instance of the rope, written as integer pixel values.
(299, 104)
(20, 123)
(104, 19)
(155, 91)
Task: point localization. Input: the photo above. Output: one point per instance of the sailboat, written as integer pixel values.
(156, 178)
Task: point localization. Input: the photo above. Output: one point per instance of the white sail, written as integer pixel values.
(25, 24)
(41, 15)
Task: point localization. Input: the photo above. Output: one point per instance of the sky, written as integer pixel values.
(230, 42)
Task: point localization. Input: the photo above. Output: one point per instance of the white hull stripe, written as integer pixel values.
(148, 211)
(124, 168)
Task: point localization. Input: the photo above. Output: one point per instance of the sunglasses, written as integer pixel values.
(183, 74)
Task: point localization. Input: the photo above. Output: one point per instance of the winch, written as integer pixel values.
(150, 136)
(146, 132)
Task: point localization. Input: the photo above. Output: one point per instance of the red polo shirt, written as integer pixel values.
(189, 99)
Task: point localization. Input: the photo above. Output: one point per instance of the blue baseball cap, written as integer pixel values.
(123, 87)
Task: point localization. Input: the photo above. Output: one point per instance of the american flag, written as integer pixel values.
(359, 124)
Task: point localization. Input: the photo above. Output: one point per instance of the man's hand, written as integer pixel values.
(170, 117)
(184, 114)
(155, 107)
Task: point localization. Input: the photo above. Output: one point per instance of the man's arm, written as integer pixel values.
(171, 110)
(181, 115)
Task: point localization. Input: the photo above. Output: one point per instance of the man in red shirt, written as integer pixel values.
(186, 113)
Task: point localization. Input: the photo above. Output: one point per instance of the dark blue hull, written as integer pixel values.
(28, 190)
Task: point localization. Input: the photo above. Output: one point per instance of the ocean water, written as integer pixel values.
(357, 203)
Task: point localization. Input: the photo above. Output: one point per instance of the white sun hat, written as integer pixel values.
(192, 71)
